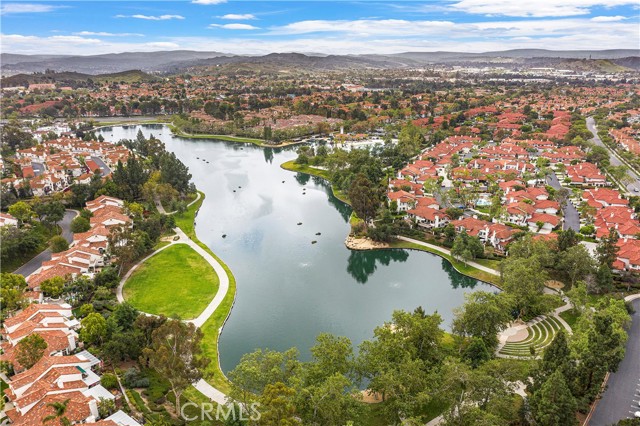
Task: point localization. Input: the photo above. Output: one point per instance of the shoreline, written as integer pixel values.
(363, 244)
(228, 138)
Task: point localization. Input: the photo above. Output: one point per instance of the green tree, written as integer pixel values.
(58, 244)
(523, 281)
(53, 287)
(59, 413)
(607, 249)
(483, 316)
(94, 329)
(476, 353)
(175, 353)
(12, 292)
(30, 350)
(553, 404)
(567, 239)
(364, 197)
(410, 140)
(258, 369)
(80, 224)
(576, 263)
(21, 211)
(277, 405)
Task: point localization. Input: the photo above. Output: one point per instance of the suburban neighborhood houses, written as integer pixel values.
(413, 237)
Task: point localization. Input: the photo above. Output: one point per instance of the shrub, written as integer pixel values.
(58, 244)
(109, 381)
(80, 224)
(133, 379)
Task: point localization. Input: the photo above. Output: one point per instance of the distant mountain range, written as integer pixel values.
(183, 60)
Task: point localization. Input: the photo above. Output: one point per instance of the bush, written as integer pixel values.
(109, 381)
(58, 244)
(133, 379)
(80, 224)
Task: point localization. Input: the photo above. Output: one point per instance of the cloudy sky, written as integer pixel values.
(339, 27)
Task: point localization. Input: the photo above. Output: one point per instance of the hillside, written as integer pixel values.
(76, 79)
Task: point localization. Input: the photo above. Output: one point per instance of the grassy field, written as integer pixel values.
(213, 373)
(458, 265)
(314, 171)
(176, 282)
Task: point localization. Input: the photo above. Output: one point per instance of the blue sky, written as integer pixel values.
(339, 27)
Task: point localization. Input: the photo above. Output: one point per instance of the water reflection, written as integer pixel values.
(457, 279)
(362, 264)
(268, 155)
(302, 178)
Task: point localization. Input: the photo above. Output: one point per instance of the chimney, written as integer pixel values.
(93, 407)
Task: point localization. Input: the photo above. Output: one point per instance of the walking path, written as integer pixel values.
(161, 209)
(217, 267)
(448, 252)
(204, 387)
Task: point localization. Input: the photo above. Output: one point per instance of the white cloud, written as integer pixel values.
(608, 18)
(364, 36)
(366, 27)
(162, 45)
(75, 39)
(209, 1)
(238, 16)
(151, 17)
(10, 8)
(537, 8)
(234, 26)
(106, 34)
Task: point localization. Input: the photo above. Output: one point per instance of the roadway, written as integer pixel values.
(104, 169)
(31, 266)
(620, 400)
(571, 215)
(634, 179)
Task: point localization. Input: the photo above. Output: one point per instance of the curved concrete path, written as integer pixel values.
(223, 278)
(161, 209)
(201, 385)
(448, 252)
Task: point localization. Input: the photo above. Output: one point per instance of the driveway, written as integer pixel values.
(104, 169)
(634, 183)
(571, 214)
(620, 400)
(31, 266)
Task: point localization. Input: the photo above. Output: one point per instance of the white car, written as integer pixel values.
(637, 414)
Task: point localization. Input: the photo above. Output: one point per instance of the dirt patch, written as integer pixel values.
(557, 285)
(363, 243)
(519, 336)
(369, 397)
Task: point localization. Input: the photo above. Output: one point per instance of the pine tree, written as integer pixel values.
(553, 404)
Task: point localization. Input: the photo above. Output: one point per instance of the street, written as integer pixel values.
(104, 169)
(571, 215)
(31, 266)
(634, 180)
(620, 400)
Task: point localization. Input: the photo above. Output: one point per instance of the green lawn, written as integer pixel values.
(211, 327)
(176, 282)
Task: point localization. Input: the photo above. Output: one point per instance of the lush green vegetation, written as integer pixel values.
(211, 327)
(460, 266)
(176, 282)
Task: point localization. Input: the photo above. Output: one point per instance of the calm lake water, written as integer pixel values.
(289, 289)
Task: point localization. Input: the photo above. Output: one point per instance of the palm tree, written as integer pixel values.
(60, 409)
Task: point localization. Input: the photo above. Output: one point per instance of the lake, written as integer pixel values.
(289, 289)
